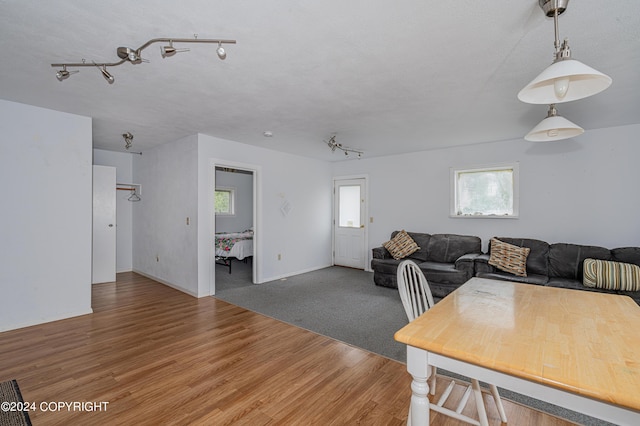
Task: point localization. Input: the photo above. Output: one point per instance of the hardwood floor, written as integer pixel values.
(158, 356)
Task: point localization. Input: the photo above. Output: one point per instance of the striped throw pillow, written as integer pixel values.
(611, 275)
(509, 258)
(401, 246)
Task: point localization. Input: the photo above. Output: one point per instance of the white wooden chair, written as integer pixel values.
(417, 299)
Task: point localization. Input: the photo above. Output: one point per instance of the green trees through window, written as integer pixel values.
(224, 201)
(489, 191)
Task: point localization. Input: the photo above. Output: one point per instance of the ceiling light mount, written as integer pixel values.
(333, 144)
(549, 7)
(128, 54)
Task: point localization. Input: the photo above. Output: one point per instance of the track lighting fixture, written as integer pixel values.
(128, 140)
(335, 145)
(127, 54)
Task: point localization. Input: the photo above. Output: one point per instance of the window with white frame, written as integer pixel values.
(488, 191)
(225, 201)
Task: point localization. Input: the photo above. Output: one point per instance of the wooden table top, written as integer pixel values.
(578, 341)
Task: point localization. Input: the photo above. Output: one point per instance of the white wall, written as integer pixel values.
(302, 238)
(164, 245)
(582, 190)
(45, 231)
(123, 163)
(242, 219)
(178, 181)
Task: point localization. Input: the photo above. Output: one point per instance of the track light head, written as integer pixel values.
(107, 75)
(63, 74)
(170, 50)
(222, 54)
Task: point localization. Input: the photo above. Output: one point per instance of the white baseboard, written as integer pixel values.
(291, 274)
(167, 283)
(52, 318)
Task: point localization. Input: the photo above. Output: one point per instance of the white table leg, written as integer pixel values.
(420, 370)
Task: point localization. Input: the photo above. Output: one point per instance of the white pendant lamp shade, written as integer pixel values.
(564, 81)
(554, 128)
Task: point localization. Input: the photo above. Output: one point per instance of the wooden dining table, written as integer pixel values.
(572, 348)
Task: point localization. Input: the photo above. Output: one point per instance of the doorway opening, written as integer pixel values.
(234, 216)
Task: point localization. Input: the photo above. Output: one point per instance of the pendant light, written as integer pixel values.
(566, 79)
(554, 128)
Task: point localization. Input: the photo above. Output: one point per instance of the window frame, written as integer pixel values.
(232, 200)
(453, 180)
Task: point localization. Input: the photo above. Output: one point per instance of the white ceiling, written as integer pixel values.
(386, 77)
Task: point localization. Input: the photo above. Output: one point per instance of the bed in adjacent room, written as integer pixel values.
(233, 245)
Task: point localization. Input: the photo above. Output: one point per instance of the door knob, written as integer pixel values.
(111, 225)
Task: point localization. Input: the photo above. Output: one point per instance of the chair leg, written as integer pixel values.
(432, 381)
(498, 401)
(482, 412)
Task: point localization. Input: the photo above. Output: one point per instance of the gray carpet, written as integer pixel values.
(344, 304)
(341, 303)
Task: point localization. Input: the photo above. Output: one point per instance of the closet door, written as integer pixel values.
(104, 224)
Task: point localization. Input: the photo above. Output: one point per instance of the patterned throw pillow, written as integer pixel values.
(509, 258)
(611, 275)
(401, 246)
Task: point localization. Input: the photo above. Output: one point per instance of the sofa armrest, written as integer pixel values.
(482, 264)
(381, 253)
(466, 263)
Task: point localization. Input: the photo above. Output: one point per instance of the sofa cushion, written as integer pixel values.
(566, 260)
(509, 258)
(611, 275)
(422, 240)
(444, 273)
(401, 245)
(574, 285)
(447, 248)
(385, 266)
(537, 259)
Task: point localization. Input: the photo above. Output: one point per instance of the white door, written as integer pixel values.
(104, 225)
(349, 222)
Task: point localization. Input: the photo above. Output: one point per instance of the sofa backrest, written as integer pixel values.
(422, 240)
(538, 254)
(567, 260)
(626, 255)
(447, 248)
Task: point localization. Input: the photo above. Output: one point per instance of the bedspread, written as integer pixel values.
(234, 244)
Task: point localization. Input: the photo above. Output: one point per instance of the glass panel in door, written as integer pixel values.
(349, 213)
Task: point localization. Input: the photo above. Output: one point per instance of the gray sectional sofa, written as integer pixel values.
(559, 264)
(449, 260)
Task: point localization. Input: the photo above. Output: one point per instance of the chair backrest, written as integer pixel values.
(414, 290)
